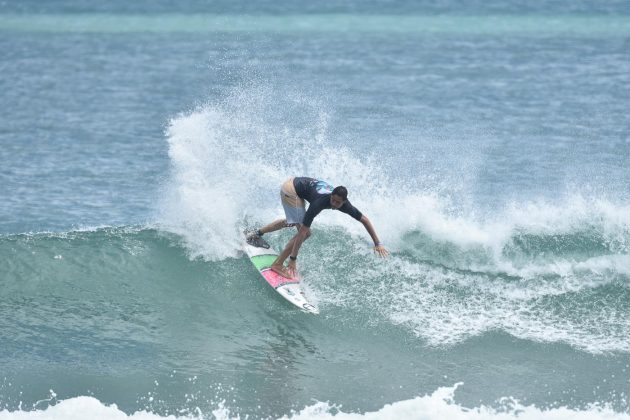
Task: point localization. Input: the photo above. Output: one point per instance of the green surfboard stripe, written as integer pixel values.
(263, 261)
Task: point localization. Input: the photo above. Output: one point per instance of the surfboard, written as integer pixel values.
(262, 256)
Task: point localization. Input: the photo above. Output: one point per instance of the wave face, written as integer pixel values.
(551, 284)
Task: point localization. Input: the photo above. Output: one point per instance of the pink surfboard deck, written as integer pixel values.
(290, 289)
(275, 280)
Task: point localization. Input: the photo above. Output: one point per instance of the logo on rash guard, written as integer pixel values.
(323, 187)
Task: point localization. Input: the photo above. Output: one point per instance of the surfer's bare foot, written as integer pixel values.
(281, 270)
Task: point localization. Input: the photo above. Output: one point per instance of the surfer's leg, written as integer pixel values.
(273, 226)
(294, 210)
(285, 252)
(278, 264)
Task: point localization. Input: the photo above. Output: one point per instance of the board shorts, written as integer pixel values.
(294, 206)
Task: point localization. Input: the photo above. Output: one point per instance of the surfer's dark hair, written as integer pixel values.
(341, 191)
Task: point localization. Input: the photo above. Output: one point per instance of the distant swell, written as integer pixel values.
(559, 24)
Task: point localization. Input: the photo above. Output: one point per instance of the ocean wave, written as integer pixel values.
(543, 271)
(586, 307)
(439, 405)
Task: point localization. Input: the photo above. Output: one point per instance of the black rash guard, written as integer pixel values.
(318, 193)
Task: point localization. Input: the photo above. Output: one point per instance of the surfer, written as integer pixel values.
(320, 196)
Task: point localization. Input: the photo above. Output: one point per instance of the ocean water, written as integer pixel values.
(488, 142)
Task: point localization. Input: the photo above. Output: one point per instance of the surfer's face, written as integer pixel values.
(336, 201)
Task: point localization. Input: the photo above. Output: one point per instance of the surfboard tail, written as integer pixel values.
(288, 288)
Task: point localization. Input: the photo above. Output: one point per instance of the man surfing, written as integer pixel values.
(320, 196)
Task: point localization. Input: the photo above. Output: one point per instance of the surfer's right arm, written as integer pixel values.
(378, 247)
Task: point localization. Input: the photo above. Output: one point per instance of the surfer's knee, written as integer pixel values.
(298, 227)
(304, 231)
(286, 225)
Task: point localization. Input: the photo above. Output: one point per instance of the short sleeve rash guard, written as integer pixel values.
(318, 193)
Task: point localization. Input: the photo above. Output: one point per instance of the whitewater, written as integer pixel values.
(439, 405)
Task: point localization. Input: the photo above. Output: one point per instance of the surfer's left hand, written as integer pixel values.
(381, 251)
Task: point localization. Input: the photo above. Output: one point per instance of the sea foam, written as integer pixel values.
(437, 406)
